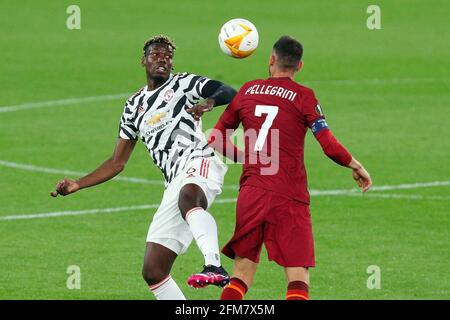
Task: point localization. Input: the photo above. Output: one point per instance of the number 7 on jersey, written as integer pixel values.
(271, 112)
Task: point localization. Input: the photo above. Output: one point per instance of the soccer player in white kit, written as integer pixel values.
(165, 115)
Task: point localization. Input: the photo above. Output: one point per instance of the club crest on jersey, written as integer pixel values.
(141, 109)
(168, 95)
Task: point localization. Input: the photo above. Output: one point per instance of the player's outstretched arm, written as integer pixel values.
(220, 137)
(337, 152)
(216, 94)
(106, 171)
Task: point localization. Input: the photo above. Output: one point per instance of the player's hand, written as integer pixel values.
(362, 178)
(199, 109)
(360, 175)
(65, 187)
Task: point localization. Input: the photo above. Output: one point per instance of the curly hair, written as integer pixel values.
(159, 39)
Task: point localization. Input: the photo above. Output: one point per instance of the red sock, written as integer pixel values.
(297, 290)
(235, 290)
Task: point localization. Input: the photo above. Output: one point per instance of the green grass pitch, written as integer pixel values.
(386, 95)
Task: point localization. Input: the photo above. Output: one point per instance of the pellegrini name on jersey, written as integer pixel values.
(159, 118)
(272, 91)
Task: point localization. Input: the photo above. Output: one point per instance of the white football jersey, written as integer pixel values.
(159, 118)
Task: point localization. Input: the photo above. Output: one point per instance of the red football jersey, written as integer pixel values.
(276, 114)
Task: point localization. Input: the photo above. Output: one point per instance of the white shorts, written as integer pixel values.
(168, 227)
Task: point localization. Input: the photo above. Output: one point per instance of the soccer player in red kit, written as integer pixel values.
(273, 203)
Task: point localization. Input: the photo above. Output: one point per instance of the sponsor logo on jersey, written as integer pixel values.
(158, 128)
(157, 118)
(158, 122)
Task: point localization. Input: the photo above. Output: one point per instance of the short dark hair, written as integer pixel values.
(288, 51)
(158, 39)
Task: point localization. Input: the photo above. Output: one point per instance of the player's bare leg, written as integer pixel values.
(158, 261)
(298, 283)
(297, 274)
(244, 269)
(243, 272)
(193, 203)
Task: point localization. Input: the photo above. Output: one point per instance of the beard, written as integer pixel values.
(158, 78)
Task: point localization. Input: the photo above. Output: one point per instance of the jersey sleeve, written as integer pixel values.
(127, 129)
(195, 87)
(333, 148)
(220, 136)
(312, 113)
(230, 117)
(314, 118)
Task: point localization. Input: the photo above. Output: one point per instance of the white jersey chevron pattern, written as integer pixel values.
(159, 118)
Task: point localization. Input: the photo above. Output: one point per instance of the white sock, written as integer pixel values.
(167, 289)
(204, 229)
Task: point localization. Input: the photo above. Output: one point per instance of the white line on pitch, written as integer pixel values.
(398, 196)
(63, 102)
(76, 213)
(313, 192)
(29, 167)
(94, 211)
(108, 97)
(218, 201)
(406, 186)
(65, 172)
(378, 81)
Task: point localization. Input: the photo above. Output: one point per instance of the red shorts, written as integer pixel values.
(281, 223)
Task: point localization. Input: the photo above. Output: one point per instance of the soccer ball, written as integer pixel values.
(238, 38)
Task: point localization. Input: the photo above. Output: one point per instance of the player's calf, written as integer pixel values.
(192, 203)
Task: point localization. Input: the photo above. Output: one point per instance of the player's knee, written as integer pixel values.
(153, 275)
(191, 196)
